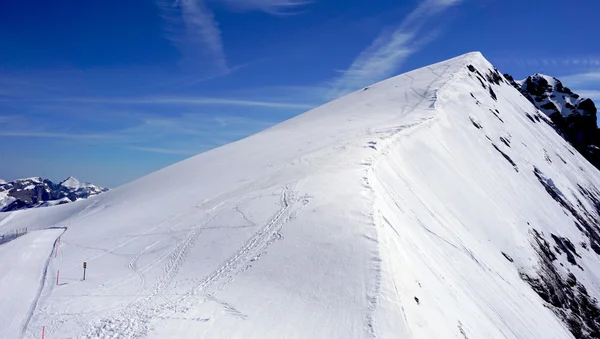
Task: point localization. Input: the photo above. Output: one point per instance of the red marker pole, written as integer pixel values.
(57, 275)
(43, 330)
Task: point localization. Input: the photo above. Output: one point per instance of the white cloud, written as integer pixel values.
(581, 79)
(592, 94)
(35, 134)
(162, 150)
(207, 101)
(200, 31)
(575, 62)
(390, 49)
(192, 26)
(268, 6)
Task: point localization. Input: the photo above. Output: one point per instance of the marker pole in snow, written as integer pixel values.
(57, 275)
(84, 267)
(43, 330)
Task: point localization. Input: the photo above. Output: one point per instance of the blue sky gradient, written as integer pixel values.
(110, 90)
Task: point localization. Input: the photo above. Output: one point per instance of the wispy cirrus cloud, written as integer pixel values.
(391, 48)
(592, 94)
(162, 150)
(183, 134)
(51, 135)
(202, 101)
(275, 7)
(581, 62)
(582, 79)
(192, 27)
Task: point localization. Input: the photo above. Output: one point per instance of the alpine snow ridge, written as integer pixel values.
(440, 203)
(37, 192)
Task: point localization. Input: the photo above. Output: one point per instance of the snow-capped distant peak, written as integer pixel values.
(32, 179)
(2, 181)
(39, 192)
(71, 182)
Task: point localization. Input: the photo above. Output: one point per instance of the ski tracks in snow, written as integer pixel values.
(135, 319)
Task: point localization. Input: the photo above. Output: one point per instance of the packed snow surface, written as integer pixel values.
(23, 263)
(383, 214)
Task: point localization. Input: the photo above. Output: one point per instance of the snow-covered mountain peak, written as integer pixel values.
(436, 204)
(554, 98)
(71, 182)
(573, 116)
(37, 192)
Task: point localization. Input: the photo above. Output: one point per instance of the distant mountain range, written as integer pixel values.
(37, 192)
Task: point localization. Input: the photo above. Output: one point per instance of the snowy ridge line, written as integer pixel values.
(41, 285)
(374, 293)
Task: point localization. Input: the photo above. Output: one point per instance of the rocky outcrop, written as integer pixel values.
(573, 116)
(37, 192)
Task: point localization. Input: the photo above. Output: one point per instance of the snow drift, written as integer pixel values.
(436, 204)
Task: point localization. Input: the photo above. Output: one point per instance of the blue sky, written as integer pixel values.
(109, 90)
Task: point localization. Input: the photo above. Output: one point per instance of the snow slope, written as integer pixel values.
(384, 214)
(23, 264)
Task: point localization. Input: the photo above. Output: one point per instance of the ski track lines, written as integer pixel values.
(136, 272)
(134, 320)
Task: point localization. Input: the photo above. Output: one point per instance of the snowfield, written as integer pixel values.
(23, 263)
(415, 208)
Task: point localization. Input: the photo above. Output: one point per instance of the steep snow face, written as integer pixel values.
(436, 204)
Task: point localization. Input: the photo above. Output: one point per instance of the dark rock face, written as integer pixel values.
(574, 117)
(38, 192)
(566, 297)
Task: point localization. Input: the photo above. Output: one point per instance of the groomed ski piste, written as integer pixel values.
(403, 210)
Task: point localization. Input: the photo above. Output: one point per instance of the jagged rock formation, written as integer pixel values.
(37, 192)
(573, 116)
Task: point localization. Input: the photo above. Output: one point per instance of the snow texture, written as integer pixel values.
(23, 263)
(411, 209)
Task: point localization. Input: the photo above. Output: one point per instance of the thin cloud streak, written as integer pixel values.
(187, 101)
(191, 24)
(592, 94)
(275, 7)
(582, 78)
(199, 29)
(390, 49)
(162, 150)
(569, 62)
(51, 135)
